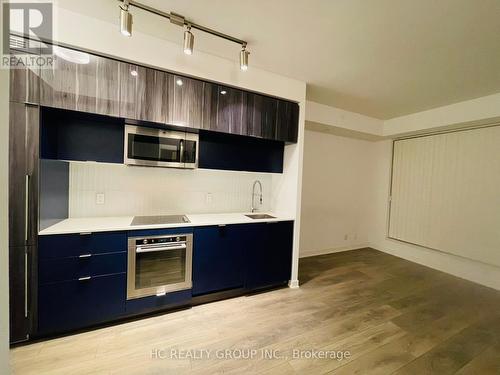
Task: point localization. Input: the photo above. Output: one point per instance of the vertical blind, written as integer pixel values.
(445, 193)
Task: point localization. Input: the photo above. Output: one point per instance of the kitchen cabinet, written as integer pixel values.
(269, 258)
(73, 245)
(224, 109)
(187, 106)
(24, 80)
(81, 81)
(82, 280)
(23, 213)
(287, 119)
(19, 288)
(71, 135)
(237, 153)
(218, 258)
(261, 116)
(23, 174)
(79, 303)
(145, 94)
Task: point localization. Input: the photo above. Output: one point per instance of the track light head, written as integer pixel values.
(188, 41)
(244, 58)
(125, 19)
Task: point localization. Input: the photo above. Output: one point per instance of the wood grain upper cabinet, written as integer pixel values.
(145, 94)
(224, 109)
(261, 116)
(81, 81)
(187, 105)
(23, 79)
(287, 119)
(231, 111)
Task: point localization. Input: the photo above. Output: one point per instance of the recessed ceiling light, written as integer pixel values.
(223, 92)
(133, 73)
(179, 82)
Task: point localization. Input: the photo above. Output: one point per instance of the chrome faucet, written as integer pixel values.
(253, 195)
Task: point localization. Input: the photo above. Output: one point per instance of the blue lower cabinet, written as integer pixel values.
(68, 245)
(76, 304)
(153, 303)
(218, 258)
(269, 255)
(72, 268)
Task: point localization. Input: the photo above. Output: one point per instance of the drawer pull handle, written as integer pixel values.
(85, 233)
(221, 225)
(85, 256)
(84, 278)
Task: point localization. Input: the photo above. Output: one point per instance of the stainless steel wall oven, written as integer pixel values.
(159, 264)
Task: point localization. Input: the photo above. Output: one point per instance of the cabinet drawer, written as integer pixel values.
(70, 245)
(76, 304)
(65, 269)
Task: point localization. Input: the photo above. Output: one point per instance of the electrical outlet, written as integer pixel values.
(209, 198)
(100, 198)
(346, 237)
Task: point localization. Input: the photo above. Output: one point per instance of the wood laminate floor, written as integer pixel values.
(392, 316)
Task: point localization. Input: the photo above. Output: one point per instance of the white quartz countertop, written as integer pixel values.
(108, 224)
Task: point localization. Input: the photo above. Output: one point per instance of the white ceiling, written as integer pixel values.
(383, 58)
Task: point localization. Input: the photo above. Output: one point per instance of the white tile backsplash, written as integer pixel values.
(133, 191)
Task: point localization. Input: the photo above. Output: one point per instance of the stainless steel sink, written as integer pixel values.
(260, 216)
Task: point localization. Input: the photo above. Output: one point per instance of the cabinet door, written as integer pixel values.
(210, 103)
(23, 174)
(24, 80)
(58, 85)
(98, 89)
(218, 258)
(81, 81)
(18, 293)
(287, 121)
(269, 258)
(78, 303)
(231, 111)
(145, 94)
(187, 103)
(261, 116)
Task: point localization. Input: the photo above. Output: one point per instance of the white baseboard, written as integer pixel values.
(467, 269)
(332, 250)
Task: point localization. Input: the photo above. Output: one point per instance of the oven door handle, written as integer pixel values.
(155, 249)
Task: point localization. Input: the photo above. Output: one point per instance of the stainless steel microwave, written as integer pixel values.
(160, 148)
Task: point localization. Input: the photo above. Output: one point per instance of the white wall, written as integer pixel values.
(337, 183)
(133, 191)
(4, 241)
(478, 111)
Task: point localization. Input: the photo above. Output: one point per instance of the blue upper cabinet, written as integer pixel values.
(69, 135)
(237, 153)
(218, 258)
(268, 256)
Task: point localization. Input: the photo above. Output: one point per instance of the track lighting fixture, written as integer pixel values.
(188, 41)
(179, 20)
(244, 58)
(125, 19)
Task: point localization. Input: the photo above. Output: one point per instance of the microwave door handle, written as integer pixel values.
(140, 250)
(181, 151)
